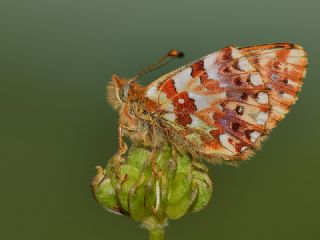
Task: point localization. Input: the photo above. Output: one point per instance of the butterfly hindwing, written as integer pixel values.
(282, 67)
(222, 105)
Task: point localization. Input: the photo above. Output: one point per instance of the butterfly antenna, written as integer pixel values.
(173, 54)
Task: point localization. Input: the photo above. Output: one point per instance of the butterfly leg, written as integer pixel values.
(122, 145)
(153, 156)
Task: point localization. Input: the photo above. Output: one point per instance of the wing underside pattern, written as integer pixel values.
(223, 105)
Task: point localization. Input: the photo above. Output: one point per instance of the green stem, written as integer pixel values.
(156, 234)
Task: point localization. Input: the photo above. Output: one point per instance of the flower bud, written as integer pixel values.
(152, 187)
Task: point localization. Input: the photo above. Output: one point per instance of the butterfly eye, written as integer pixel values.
(123, 92)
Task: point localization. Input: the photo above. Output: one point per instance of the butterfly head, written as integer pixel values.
(121, 91)
(118, 91)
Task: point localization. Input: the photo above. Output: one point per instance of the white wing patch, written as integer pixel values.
(182, 79)
(210, 66)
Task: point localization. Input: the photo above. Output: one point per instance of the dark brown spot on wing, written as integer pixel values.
(183, 107)
(168, 88)
(235, 126)
(239, 110)
(226, 70)
(237, 81)
(197, 68)
(244, 96)
(227, 54)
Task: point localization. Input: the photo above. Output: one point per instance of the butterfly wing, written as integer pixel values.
(282, 66)
(224, 104)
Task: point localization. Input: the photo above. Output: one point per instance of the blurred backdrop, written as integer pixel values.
(55, 60)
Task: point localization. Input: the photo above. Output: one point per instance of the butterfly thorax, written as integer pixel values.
(135, 111)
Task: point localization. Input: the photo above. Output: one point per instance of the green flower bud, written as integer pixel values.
(153, 187)
(104, 191)
(203, 185)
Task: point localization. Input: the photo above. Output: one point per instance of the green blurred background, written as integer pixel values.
(56, 58)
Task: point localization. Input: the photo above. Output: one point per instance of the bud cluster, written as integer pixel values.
(153, 187)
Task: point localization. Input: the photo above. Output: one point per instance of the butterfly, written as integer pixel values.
(220, 107)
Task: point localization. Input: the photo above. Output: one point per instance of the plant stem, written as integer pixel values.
(156, 234)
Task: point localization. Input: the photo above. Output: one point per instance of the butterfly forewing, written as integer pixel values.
(222, 105)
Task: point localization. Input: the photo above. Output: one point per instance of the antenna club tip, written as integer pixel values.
(175, 53)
